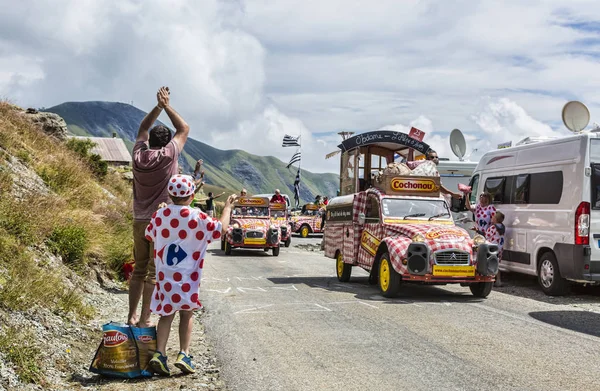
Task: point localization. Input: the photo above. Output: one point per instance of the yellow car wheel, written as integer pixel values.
(304, 231)
(343, 269)
(389, 279)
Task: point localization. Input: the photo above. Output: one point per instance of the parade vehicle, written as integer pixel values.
(270, 196)
(280, 217)
(309, 221)
(251, 227)
(398, 227)
(549, 191)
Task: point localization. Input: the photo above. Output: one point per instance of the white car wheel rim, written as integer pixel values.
(547, 273)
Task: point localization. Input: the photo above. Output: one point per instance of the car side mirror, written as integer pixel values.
(361, 218)
(463, 218)
(458, 204)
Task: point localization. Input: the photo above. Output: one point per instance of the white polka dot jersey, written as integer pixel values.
(483, 216)
(180, 235)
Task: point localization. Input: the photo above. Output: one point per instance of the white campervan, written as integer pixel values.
(549, 193)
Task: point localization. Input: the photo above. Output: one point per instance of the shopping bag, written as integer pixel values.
(124, 351)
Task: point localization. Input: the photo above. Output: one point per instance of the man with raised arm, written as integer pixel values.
(155, 155)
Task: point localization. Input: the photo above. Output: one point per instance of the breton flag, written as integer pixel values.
(296, 158)
(297, 188)
(289, 141)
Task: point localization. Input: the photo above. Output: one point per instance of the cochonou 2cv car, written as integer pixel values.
(251, 227)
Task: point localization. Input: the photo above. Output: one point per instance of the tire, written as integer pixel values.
(227, 248)
(222, 245)
(343, 270)
(549, 276)
(288, 241)
(304, 231)
(389, 279)
(481, 289)
(374, 276)
(276, 251)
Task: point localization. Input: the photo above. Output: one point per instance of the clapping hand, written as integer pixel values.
(162, 96)
(231, 199)
(162, 205)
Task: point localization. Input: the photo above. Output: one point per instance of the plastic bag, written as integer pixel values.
(124, 351)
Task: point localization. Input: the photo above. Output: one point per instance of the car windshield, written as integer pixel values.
(415, 208)
(250, 211)
(277, 214)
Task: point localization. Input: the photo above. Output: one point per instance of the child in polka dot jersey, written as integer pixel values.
(180, 235)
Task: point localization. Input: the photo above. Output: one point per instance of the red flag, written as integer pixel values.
(416, 134)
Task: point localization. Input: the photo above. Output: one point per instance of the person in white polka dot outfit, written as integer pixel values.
(180, 235)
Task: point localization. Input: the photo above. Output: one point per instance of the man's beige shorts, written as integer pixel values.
(143, 254)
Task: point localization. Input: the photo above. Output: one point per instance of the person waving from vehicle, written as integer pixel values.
(277, 197)
(432, 156)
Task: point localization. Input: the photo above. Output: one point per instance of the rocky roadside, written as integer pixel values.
(68, 348)
(112, 306)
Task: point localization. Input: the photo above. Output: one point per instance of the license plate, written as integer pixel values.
(453, 271)
(255, 241)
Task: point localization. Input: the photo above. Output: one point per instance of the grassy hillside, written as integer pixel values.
(230, 169)
(59, 221)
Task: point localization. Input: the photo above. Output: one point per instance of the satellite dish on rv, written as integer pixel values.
(575, 116)
(458, 144)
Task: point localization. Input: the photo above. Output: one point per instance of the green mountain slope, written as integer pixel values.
(232, 169)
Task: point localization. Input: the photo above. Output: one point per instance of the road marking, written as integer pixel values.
(249, 278)
(284, 288)
(319, 305)
(353, 302)
(257, 289)
(218, 290)
(247, 310)
(368, 305)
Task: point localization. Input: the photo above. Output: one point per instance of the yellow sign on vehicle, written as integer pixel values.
(255, 241)
(369, 242)
(414, 185)
(453, 271)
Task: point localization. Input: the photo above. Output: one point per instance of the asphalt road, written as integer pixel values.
(286, 323)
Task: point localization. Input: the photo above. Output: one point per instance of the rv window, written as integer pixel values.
(474, 185)
(495, 186)
(595, 150)
(595, 186)
(521, 190)
(545, 187)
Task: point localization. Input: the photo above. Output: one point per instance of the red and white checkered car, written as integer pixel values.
(418, 249)
(309, 222)
(251, 227)
(280, 218)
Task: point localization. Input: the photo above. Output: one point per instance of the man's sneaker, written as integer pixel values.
(158, 364)
(184, 362)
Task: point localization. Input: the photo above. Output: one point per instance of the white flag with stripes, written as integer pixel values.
(289, 141)
(296, 158)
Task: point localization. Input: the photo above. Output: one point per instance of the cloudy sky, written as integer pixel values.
(244, 73)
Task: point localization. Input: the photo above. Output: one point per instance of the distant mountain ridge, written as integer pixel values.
(232, 169)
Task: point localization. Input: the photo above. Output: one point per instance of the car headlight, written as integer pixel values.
(418, 238)
(478, 239)
(236, 225)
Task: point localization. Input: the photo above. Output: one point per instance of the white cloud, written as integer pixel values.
(244, 73)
